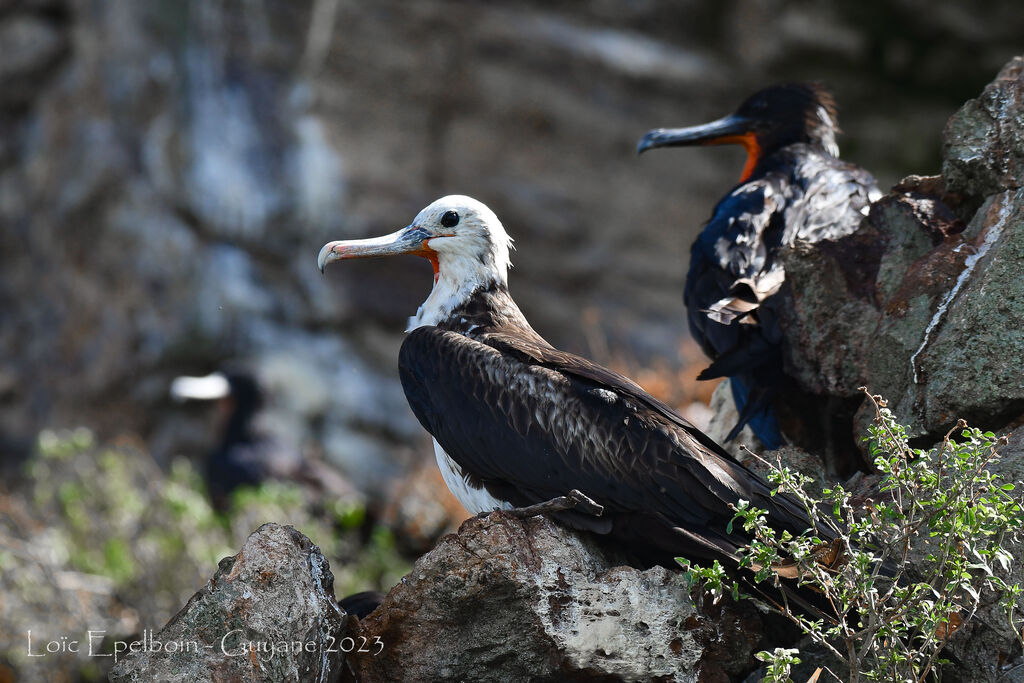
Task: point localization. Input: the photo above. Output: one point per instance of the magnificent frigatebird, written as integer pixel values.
(518, 423)
(793, 187)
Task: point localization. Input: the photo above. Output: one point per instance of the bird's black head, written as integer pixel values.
(245, 392)
(792, 112)
(767, 121)
(237, 392)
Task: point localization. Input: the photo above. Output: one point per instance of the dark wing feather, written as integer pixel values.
(836, 197)
(531, 423)
(807, 195)
(803, 194)
(736, 245)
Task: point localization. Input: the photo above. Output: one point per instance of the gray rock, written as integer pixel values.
(819, 352)
(856, 307)
(507, 599)
(30, 47)
(983, 144)
(946, 343)
(724, 417)
(268, 614)
(971, 358)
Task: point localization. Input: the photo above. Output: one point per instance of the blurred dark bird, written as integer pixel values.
(246, 455)
(793, 187)
(522, 426)
(242, 456)
(361, 604)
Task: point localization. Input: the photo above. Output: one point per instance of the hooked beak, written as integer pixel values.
(408, 240)
(731, 129)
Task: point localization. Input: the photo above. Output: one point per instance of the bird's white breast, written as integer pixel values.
(475, 500)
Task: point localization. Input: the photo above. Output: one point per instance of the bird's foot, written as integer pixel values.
(576, 500)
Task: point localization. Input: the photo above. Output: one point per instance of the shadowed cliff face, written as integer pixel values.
(169, 169)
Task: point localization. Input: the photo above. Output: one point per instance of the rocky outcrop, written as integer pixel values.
(503, 599)
(268, 614)
(923, 304)
(983, 145)
(506, 599)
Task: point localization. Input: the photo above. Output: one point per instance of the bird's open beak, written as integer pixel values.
(408, 240)
(729, 130)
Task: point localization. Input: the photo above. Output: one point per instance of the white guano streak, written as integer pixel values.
(991, 237)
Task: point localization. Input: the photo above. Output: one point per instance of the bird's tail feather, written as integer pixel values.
(750, 354)
(755, 409)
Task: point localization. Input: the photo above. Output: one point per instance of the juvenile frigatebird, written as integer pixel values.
(793, 187)
(517, 423)
(246, 455)
(243, 456)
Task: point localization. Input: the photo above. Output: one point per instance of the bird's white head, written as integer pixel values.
(464, 242)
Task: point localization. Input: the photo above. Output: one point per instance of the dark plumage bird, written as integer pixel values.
(244, 454)
(793, 187)
(516, 422)
(361, 604)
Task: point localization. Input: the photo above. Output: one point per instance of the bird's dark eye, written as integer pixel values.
(449, 219)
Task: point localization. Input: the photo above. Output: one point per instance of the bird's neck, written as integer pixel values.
(239, 428)
(472, 311)
(455, 286)
(762, 151)
(490, 309)
(826, 139)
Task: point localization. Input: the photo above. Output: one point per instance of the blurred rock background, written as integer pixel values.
(170, 168)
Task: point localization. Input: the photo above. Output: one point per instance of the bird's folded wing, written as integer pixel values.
(531, 423)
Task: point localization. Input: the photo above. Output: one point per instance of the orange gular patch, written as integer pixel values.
(426, 252)
(750, 144)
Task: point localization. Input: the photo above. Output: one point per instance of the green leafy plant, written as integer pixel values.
(913, 559)
(778, 664)
(120, 543)
(112, 512)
